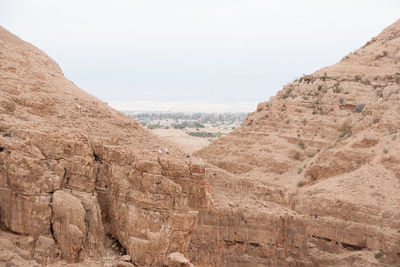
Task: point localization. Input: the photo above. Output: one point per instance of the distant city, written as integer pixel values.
(184, 120)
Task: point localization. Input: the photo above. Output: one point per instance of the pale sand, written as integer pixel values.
(185, 142)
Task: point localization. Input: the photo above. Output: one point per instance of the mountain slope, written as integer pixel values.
(75, 174)
(313, 176)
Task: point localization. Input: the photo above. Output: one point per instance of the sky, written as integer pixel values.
(222, 51)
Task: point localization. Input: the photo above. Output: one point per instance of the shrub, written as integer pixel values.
(301, 144)
(287, 93)
(341, 100)
(337, 89)
(357, 78)
(205, 134)
(198, 124)
(359, 108)
(385, 151)
(346, 129)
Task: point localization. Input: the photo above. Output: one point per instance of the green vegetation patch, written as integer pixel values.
(205, 134)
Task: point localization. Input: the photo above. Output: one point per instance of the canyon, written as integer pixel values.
(312, 178)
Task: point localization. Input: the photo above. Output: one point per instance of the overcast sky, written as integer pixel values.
(204, 50)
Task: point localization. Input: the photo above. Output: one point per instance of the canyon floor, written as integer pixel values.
(186, 142)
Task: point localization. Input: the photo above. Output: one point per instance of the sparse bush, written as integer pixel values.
(319, 87)
(306, 78)
(378, 255)
(301, 144)
(324, 76)
(304, 122)
(346, 130)
(379, 93)
(311, 154)
(359, 108)
(198, 124)
(205, 134)
(337, 90)
(341, 100)
(385, 151)
(287, 93)
(375, 120)
(357, 78)
(299, 170)
(314, 112)
(179, 126)
(153, 126)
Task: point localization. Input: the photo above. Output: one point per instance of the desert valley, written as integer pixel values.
(310, 178)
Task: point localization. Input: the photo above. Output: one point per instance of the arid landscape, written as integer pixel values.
(189, 131)
(310, 178)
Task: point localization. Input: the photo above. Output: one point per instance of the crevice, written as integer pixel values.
(344, 245)
(51, 220)
(163, 172)
(254, 244)
(230, 243)
(322, 238)
(116, 245)
(65, 178)
(352, 247)
(97, 158)
(1, 149)
(5, 229)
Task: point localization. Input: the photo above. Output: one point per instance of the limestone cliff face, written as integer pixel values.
(74, 171)
(313, 176)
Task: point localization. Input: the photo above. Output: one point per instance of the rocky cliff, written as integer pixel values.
(313, 176)
(76, 175)
(311, 179)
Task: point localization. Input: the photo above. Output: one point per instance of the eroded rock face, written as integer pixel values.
(312, 177)
(75, 173)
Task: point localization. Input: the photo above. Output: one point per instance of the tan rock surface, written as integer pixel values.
(75, 173)
(312, 177)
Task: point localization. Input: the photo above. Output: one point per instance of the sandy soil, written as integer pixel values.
(187, 143)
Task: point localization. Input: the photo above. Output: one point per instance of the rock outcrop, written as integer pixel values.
(312, 176)
(76, 174)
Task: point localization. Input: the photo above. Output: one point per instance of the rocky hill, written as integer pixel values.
(78, 178)
(311, 179)
(313, 176)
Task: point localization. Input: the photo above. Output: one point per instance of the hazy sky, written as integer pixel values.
(219, 50)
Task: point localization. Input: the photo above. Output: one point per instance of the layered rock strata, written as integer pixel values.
(74, 172)
(312, 176)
